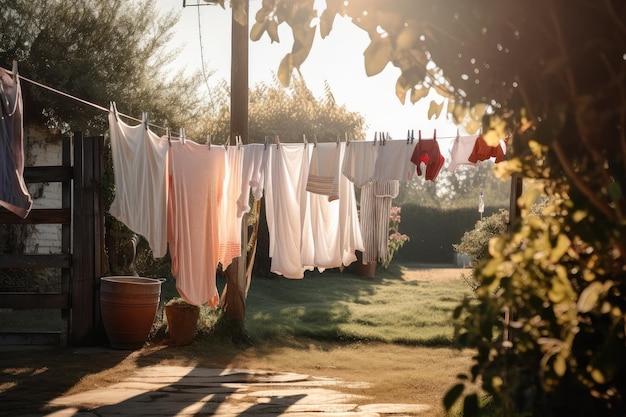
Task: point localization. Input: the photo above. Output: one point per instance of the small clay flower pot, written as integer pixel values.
(182, 320)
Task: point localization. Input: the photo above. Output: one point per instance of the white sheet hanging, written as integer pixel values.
(323, 178)
(333, 226)
(461, 150)
(252, 176)
(230, 222)
(393, 161)
(139, 165)
(359, 162)
(285, 206)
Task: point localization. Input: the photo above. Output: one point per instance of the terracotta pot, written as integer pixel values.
(129, 305)
(182, 320)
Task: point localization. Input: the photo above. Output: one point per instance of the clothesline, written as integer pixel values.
(102, 108)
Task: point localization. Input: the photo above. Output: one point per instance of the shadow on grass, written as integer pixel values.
(335, 307)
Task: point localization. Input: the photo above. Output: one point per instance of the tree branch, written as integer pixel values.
(580, 184)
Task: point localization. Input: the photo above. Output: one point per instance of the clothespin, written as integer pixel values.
(375, 137)
(208, 141)
(457, 132)
(435, 134)
(412, 136)
(304, 140)
(348, 139)
(227, 142)
(239, 141)
(265, 143)
(315, 140)
(182, 135)
(277, 141)
(408, 136)
(169, 136)
(419, 138)
(338, 139)
(144, 120)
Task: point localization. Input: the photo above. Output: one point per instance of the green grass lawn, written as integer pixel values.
(397, 306)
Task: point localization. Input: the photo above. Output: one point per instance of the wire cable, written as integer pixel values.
(206, 79)
(97, 106)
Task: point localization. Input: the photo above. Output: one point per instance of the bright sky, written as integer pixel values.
(338, 59)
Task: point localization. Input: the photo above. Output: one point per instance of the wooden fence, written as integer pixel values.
(80, 259)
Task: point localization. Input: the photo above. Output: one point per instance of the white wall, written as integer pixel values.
(42, 150)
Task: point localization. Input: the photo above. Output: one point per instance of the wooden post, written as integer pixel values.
(66, 238)
(234, 304)
(86, 223)
(516, 192)
(239, 78)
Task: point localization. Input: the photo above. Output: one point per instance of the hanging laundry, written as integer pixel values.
(285, 207)
(482, 151)
(376, 201)
(461, 150)
(359, 162)
(196, 187)
(230, 222)
(252, 176)
(394, 161)
(333, 226)
(427, 152)
(139, 167)
(14, 195)
(323, 178)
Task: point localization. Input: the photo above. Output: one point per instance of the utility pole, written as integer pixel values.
(234, 299)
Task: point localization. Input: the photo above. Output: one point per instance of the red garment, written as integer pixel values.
(427, 151)
(482, 151)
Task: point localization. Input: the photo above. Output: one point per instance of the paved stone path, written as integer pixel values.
(189, 391)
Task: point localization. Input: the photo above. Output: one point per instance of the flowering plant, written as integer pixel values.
(396, 239)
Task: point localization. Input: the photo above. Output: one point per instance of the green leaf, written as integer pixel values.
(262, 14)
(418, 92)
(284, 70)
(558, 291)
(257, 31)
(579, 215)
(303, 41)
(598, 376)
(470, 405)
(562, 245)
(434, 110)
(377, 55)
(560, 366)
(615, 191)
(326, 22)
(239, 13)
(452, 396)
(272, 31)
(589, 297)
(402, 87)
